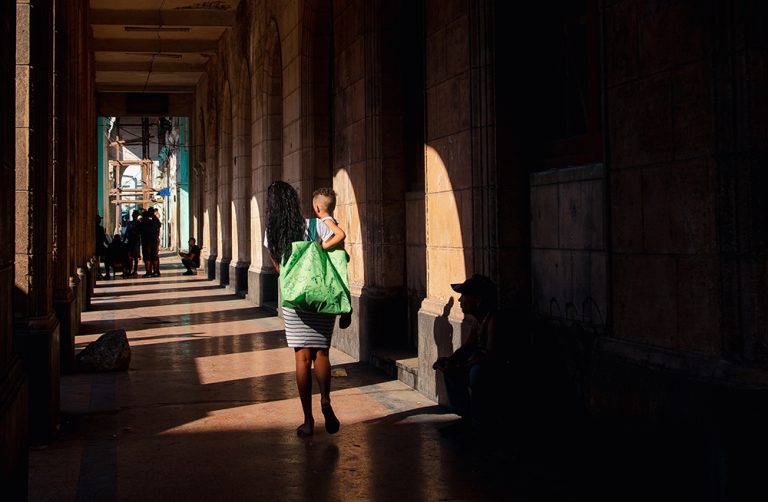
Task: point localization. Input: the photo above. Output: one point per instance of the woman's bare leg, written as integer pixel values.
(323, 375)
(304, 384)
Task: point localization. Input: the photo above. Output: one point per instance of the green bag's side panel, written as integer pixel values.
(314, 280)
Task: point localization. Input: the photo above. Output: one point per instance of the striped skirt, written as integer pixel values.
(303, 329)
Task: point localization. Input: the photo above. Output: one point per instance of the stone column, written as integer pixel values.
(260, 272)
(460, 181)
(13, 384)
(267, 154)
(372, 200)
(210, 248)
(210, 244)
(83, 279)
(35, 323)
(66, 304)
(224, 189)
(241, 190)
(739, 205)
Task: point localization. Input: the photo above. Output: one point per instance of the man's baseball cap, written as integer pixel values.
(477, 285)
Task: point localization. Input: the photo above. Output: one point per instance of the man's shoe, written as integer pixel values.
(188, 272)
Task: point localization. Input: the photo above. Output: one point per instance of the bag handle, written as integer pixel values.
(312, 229)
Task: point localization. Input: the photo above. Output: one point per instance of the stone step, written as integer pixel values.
(402, 364)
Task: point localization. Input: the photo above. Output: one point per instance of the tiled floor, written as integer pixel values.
(208, 411)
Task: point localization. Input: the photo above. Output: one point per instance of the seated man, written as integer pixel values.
(191, 259)
(474, 369)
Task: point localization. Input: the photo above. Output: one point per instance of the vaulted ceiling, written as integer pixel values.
(156, 45)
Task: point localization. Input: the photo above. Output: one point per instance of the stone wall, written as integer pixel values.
(661, 125)
(568, 252)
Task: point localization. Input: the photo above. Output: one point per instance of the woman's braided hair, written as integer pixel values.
(285, 224)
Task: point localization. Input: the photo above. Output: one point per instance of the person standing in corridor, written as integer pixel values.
(150, 230)
(133, 241)
(156, 256)
(309, 334)
(102, 245)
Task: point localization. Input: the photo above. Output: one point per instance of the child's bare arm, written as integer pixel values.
(338, 235)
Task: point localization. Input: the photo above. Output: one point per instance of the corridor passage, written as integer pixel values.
(208, 411)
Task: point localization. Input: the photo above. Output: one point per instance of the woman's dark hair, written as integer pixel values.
(285, 224)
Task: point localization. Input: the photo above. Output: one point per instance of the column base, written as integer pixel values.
(222, 269)
(238, 278)
(379, 319)
(14, 416)
(65, 304)
(439, 335)
(210, 266)
(91, 272)
(82, 289)
(262, 287)
(38, 343)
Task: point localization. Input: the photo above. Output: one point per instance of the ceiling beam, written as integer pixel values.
(157, 66)
(175, 89)
(154, 45)
(186, 17)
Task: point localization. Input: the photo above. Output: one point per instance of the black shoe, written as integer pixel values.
(188, 272)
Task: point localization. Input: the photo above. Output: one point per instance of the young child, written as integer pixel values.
(324, 202)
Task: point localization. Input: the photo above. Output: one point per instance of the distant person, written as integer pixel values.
(133, 241)
(117, 257)
(473, 371)
(102, 244)
(150, 244)
(123, 226)
(158, 227)
(191, 259)
(308, 334)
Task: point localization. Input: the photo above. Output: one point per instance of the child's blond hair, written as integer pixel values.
(325, 198)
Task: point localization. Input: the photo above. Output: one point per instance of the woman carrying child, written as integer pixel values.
(309, 334)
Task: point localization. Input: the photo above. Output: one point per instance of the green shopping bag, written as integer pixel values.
(313, 279)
